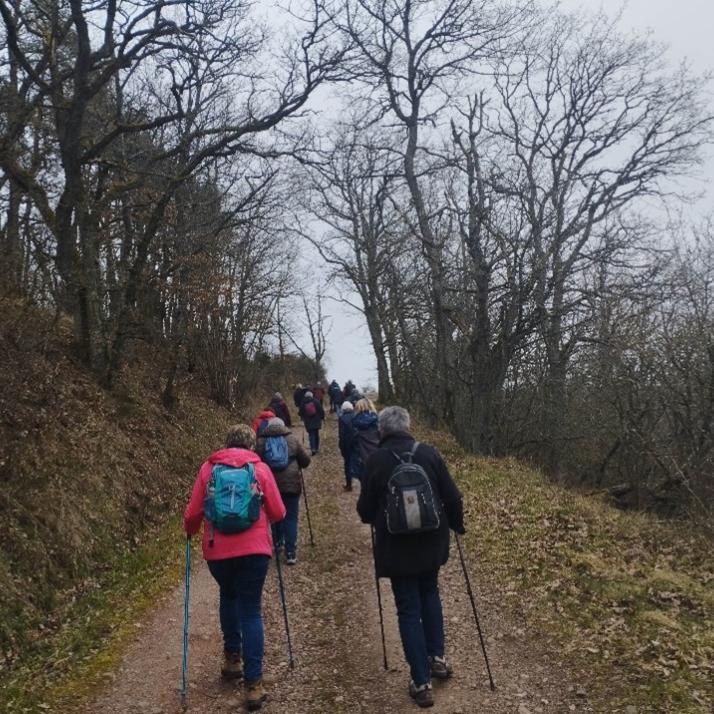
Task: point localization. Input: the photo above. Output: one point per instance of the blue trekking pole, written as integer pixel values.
(184, 662)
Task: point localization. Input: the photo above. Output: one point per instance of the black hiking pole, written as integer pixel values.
(473, 607)
(281, 588)
(379, 599)
(184, 660)
(307, 508)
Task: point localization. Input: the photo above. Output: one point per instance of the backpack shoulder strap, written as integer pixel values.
(412, 451)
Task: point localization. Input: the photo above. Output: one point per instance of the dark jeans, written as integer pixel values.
(421, 623)
(286, 531)
(314, 436)
(240, 581)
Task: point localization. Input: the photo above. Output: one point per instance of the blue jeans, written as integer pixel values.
(421, 622)
(240, 581)
(286, 531)
(314, 436)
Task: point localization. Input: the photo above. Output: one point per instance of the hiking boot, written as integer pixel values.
(255, 695)
(421, 695)
(440, 668)
(291, 559)
(232, 668)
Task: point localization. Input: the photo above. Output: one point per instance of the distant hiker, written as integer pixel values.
(348, 388)
(336, 397)
(280, 408)
(412, 543)
(366, 434)
(237, 547)
(312, 415)
(262, 418)
(285, 533)
(355, 396)
(348, 444)
(299, 395)
(319, 393)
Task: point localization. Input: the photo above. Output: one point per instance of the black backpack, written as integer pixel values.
(411, 505)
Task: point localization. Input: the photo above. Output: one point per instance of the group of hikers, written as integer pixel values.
(247, 497)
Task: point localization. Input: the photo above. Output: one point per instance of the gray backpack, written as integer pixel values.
(411, 505)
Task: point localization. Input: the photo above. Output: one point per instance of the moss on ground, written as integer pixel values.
(627, 599)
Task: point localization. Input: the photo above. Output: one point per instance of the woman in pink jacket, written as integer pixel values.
(239, 562)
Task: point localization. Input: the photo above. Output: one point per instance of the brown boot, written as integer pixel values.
(231, 668)
(255, 695)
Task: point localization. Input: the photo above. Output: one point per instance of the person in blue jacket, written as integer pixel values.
(366, 430)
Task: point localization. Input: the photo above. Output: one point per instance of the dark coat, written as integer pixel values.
(280, 409)
(348, 444)
(336, 393)
(366, 439)
(417, 553)
(346, 432)
(288, 479)
(298, 396)
(312, 423)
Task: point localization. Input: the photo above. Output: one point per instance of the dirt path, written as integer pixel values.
(335, 633)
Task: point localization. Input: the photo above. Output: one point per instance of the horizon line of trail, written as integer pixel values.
(335, 633)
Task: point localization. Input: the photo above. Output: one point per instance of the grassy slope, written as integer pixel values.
(92, 485)
(627, 600)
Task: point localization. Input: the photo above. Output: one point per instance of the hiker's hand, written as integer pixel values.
(460, 530)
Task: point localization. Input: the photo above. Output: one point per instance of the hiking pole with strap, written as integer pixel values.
(473, 607)
(379, 599)
(281, 588)
(184, 661)
(307, 508)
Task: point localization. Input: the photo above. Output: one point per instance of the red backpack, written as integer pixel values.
(310, 410)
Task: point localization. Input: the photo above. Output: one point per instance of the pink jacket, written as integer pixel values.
(257, 540)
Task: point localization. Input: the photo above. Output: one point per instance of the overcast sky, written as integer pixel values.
(687, 26)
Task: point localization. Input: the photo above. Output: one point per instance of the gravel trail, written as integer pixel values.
(335, 634)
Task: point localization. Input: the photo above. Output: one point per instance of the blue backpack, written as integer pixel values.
(233, 499)
(275, 453)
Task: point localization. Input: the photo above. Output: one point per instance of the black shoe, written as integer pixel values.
(347, 487)
(421, 695)
(440, 668)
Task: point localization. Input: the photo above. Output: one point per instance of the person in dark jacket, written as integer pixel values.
(285, 532)
(312, 415)
(366, 434)
(336, 398)
(412, 561)
(347, 390)
(299, 395)
(280, 408)
(347, 439)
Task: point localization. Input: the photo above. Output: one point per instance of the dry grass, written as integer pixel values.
(628, 600)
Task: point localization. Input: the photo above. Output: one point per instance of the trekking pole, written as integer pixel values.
(379, 599)
(184, 661)
(473, 607)
(307, 508)
(281, 588)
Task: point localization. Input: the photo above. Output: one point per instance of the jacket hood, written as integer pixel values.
(234, 457)
(266, 414)
(364, 420)
(274, 429)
